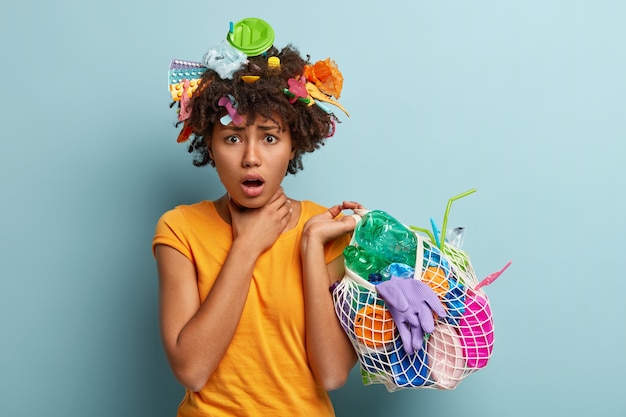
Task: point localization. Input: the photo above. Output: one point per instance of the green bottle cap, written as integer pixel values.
(251, 35)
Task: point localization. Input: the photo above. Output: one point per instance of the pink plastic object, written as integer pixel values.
(491, 277)
(235, 117)
(445, 356)
(476, 331)
(185, 107)
(297, 88)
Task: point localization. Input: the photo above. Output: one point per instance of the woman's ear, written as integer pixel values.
(207, 142)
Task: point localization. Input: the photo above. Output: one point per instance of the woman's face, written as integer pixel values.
(251, 161)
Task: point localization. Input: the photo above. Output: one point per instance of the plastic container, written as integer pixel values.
(445, 356)
(476, 330)
(408, 370)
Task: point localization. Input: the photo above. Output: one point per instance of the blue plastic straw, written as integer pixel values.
(435, 232)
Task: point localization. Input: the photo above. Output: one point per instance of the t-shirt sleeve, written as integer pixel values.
(171, 231)
(335, 248)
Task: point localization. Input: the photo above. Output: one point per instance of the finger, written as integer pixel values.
(285, 211)
(417, 339)
(278, 195)
(405, 337)
(335, 210)
(345, 205)
(431, 298)
(356, 218)
(437, 307)
(279, 203)
(427, 322)
(289, 208)
(351, 205)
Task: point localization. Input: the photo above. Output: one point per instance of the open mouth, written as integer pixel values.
(252, 186)
(253, 183)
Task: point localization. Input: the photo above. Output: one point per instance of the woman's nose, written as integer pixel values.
(251, 155)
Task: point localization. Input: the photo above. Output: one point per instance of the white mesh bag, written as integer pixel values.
(460, 344)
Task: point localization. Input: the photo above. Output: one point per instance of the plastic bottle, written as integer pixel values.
(381, 234)
(362, 262)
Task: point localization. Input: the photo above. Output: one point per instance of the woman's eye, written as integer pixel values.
(232, 139)
(271, 139)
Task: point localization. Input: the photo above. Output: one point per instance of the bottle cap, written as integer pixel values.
(251, 35)
(375, 278)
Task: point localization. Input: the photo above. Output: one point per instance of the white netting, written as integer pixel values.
(460, 344)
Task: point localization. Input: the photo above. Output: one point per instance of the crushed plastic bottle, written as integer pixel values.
(362, 262)
(381, 234)
(455, 237)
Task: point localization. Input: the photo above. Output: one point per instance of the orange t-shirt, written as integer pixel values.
(265, 371)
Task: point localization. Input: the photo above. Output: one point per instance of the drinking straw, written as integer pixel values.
(426, 231)
(435, 232)
(445, 216)
(491, 277)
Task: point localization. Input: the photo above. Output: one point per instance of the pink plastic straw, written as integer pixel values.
(491, 277)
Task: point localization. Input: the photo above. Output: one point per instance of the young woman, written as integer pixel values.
(246, 315)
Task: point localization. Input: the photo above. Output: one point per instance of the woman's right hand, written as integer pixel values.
(260, 227)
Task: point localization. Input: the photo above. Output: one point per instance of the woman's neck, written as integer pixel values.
(221, 205)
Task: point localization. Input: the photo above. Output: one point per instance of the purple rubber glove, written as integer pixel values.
(411, 303)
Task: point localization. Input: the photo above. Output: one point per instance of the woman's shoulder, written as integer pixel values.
(201, 209)
(309, 209)
(312, 208)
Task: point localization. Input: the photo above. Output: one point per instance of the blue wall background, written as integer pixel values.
(523, 100)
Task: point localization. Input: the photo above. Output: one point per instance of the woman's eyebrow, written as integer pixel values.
(265, 127)
(268, 127)
(233, 128)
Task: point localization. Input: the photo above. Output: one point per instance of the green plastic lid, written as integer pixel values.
(251, 35)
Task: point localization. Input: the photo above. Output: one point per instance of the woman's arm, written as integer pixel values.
(196, 335)
(329, 351)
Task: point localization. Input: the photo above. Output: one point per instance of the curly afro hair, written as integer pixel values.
(309, 125)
